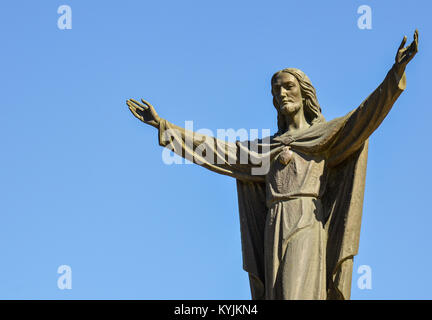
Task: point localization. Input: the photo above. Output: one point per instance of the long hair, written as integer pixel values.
(311, 107)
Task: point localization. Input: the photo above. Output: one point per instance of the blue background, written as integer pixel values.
(83, 182)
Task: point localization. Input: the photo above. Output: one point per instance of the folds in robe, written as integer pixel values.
(343, 142)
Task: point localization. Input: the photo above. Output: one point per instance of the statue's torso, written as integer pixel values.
(303, 175)
(294, 227)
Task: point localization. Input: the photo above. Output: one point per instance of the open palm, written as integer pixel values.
(144, 111)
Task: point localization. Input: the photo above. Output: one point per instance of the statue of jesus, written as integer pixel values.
(300, 219)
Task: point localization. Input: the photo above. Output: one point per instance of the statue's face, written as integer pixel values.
(287, 93)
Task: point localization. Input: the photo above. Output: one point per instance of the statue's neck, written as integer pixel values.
(296, 122)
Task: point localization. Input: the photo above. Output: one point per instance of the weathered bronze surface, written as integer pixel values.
(300, 219)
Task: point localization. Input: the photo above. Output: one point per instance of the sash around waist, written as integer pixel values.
(292, 196)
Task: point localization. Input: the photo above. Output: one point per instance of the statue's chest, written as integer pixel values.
(290, 170)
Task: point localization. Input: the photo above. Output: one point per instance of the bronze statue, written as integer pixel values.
(300, 219)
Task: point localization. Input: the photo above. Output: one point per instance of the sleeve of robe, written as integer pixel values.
(363, 121)
(232, 159)
(345, 188)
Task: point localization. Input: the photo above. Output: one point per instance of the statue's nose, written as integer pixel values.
(281, 92)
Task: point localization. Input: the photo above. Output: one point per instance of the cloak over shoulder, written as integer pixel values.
(342, 201)
(343, 142)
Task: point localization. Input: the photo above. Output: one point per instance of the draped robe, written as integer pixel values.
(300, 221)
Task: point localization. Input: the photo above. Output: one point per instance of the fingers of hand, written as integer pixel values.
(403, 42)
(139, 105)
(416, 37)
(147, 104)
(134, 110)
(131, 104)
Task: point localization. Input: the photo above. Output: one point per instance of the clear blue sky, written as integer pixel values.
(83, 183)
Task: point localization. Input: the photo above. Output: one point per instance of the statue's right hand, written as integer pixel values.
(144, 111)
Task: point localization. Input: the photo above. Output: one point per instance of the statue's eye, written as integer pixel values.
(288, 84)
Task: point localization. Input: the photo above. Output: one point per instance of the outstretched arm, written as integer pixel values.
(232, 159)
(364, 120)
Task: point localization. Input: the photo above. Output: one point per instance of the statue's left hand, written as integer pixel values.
(405, 55)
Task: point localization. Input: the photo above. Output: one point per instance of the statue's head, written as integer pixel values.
(293, 92)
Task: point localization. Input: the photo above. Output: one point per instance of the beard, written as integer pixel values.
(291, 108)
